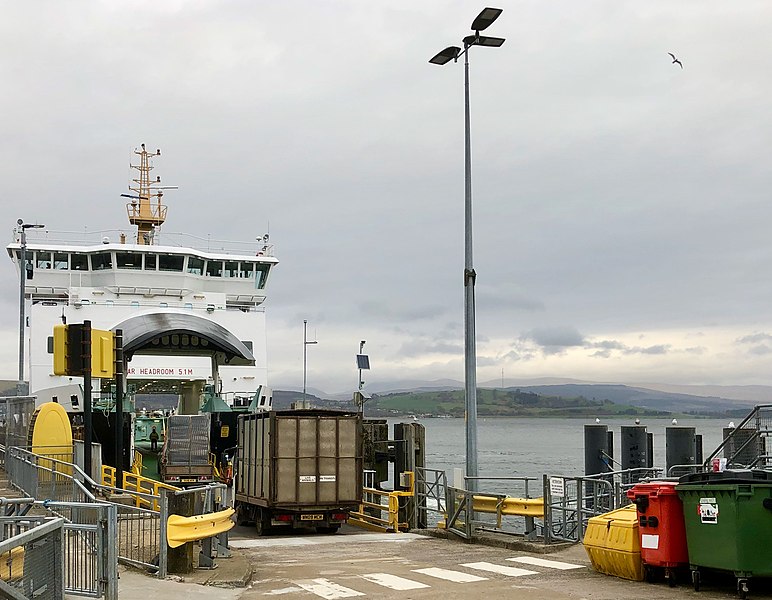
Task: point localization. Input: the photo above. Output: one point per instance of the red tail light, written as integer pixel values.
(283, 517)
(339, 516)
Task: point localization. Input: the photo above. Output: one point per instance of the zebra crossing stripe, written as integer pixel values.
(327, 589)
(394, 582)
(541, 562)
(448, 575)
(501, 569)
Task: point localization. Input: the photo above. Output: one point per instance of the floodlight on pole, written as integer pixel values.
(22, 286)
(481, 22)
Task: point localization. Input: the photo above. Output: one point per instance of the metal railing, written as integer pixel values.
(471, 511)
(747, 445)
(380, 509)
(32, 562)
(570, 502)
(205, 500)
(89, 563)
(431, 496)
(62, 482)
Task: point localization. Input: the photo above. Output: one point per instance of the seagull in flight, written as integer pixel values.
(675, 60)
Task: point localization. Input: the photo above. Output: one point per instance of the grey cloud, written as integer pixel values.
(607, 347)
(407, 312)
(555, 337)
(760, 350)
(420, 348)
(519, 355)
(755, 338)
(698, 350)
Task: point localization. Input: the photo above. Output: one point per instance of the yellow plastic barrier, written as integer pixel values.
(612, 543)
(180, 530)
(517, 507)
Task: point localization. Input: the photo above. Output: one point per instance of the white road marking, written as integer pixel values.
(448, 575)
(327, 589)
(313, 540)
(281, 591)
(501, 569)
(394, 582)
(541, 562)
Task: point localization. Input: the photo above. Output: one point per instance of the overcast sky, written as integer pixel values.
(622, 210)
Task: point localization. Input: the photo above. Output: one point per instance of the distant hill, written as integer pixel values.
(283, 399)
(645, 398)
(502, 403)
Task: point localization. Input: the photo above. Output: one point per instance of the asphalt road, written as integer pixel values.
(354, 564)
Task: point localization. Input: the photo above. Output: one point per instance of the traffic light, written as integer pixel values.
(69, 351)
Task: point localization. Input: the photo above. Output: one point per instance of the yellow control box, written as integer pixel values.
(613, 545)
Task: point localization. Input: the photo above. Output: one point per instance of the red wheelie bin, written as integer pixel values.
(661, 528)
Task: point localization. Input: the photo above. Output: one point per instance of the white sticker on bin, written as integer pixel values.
(650, 542)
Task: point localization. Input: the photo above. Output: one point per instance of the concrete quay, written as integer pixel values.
(355, 563)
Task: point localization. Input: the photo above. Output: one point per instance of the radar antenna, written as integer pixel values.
(146, 209)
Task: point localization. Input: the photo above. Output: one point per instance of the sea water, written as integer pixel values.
(532, 447)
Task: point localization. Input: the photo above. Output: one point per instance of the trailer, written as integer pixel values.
(185, 454)
(298, 469)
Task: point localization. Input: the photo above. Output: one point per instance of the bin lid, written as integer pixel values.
(653, 488)
(728, 476)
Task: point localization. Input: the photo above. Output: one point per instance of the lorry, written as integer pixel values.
(185, 454)
(298, 469)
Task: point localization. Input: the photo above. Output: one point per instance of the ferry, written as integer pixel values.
(190, 309)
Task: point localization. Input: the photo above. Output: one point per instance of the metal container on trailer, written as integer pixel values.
(298, 468)
(185, 457)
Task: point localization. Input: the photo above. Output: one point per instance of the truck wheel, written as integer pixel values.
(242, 518)
(328, 529)
(262, 524)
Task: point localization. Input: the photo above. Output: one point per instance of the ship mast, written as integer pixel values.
(146, 210)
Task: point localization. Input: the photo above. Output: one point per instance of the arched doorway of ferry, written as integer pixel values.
(177, 357)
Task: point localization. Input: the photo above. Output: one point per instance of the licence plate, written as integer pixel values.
(311, 517)
(189, 480)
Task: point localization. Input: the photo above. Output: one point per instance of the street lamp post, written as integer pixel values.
(305, 357)
(22, 285)
(481, 22)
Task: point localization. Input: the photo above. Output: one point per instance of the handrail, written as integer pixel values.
(751, 415)
(392, 523)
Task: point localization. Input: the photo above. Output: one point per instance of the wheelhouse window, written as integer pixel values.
(170, 262)
(128, 260)
(247, 270)
(150, 262)
(43, 260)
(195, 265)
(78, 262)
(214, 268)
(61, 261)
(261, 274)
(231, 268)
(101, 261)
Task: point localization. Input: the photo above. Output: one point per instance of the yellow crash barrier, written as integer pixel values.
(519, 507)
(180, 530)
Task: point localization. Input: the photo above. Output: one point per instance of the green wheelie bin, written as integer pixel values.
(728, 519)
